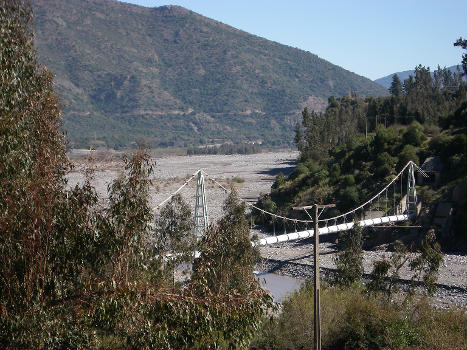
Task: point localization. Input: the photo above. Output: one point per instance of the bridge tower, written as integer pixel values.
(201, 209)
(411, 199)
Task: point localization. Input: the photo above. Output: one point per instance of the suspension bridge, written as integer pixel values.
(396, 202)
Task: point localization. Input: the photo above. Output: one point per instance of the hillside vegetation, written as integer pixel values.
(387, 80)
(358, 145)
(174, 77)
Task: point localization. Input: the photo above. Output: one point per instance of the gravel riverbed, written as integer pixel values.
(295, 259)
(257, 171)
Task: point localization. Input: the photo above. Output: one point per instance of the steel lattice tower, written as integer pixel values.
(411, 199)
(201, 209)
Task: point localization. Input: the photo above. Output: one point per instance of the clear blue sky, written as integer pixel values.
(373, 38)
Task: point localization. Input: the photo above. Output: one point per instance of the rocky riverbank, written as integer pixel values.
(295, 259)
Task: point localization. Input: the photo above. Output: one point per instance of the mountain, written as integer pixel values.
(387, 80)
(174, 77)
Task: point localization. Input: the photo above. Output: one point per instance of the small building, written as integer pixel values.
(433, 167)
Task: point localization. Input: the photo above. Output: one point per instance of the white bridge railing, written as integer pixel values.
(330, 229)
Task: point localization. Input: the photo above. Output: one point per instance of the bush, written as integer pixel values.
(348, 180)
(300, 170)
(414, 135)
(349, 197)
(238, 180)
(351, 320)
(409, 152)
(349, 260)
(279, 181)
(384, 138)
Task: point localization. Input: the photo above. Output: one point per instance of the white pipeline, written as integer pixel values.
(330, 229)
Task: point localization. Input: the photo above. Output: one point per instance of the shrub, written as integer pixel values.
(348, 180)
(349, 197)
(349, 259)
(279, 181)
(238, 180)
(409, 152)
(350, 320)
(383, 139)
(414, 135)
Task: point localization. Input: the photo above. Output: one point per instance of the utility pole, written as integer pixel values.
(316, 294)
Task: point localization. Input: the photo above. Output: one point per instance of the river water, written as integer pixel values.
(280, 287)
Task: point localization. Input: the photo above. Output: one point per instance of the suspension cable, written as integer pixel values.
(284, 218)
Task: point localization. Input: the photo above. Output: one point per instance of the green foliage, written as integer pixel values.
(76, 272)
(349, 197)
(384, 139)
(463, 44)
(423, 260)
(32, 163)
(238, 180)
(426, 265)
(384, 165)
(278, 181)
(414, 135)
(225, 265)
(51, 328)
(226, 148)
(385, 273)
(408, 153)
(173, 232)
(130, 214)
(349, 260)
(350, 320)
(366, 140)
(396, 86)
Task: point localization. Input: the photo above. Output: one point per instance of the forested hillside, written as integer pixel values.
(387, 80)
(359, 144)
(174, 77)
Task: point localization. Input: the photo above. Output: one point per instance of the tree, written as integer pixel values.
(463, 44)
(349, 260)
(414, 135)
(32, 162)
(409, 152)
(279, 181)
(423, 261)
(426, 264)
(227, 256)
(423, 79)
(174, 227)
(298, 137)
(396, 86)
(73, 271)
(408, 85)
(174, 234)
(129, 216)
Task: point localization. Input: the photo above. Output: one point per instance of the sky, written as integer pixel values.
(372, 38)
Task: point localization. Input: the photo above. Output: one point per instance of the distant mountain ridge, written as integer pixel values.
(387, 80)
(174, 77)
